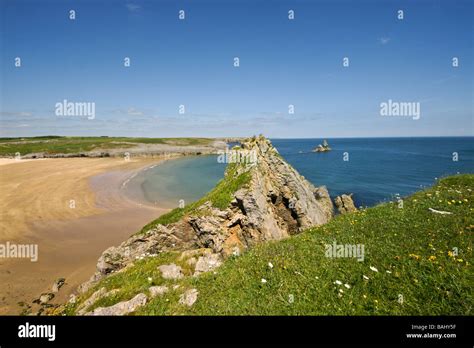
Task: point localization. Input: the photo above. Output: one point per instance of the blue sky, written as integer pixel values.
(282, 62)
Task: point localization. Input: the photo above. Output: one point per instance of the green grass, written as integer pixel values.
(220, 197)
(67, 145)
(410, 247)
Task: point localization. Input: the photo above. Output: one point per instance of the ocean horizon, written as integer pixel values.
(374, 170)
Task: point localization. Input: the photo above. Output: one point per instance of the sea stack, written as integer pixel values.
(324, 147)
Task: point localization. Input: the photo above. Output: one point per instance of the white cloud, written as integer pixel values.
(384, 40)
(134, 112)
(133, 7)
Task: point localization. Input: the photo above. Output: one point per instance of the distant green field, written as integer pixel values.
(67, 145)
(416, 263)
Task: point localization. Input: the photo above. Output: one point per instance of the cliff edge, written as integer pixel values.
(260, 198)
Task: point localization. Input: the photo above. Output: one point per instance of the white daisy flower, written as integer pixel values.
(270, 265)
(150, 279)
(347, 286)
(388, 272)
(338, 282)
(365, 277)
(372, 268)
(264, 281)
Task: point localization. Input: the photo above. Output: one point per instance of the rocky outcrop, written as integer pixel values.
(324, 147)
(345, 204)
(171, 271)
(90, 301)
(45, 298)
(121, 308)
(207, 263)
(273, 202)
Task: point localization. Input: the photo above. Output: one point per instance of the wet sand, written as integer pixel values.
(73, 209)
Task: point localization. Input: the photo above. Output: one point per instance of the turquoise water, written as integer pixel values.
(376, 170)
(186, 179)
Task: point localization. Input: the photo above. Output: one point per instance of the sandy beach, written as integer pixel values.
(73, 209)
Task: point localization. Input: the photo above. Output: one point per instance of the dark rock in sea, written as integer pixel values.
(324, 147)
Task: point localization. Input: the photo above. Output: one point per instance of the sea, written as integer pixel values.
(374, 170)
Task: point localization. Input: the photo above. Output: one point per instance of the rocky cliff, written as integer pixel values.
(261, 198)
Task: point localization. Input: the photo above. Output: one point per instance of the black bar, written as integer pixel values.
(241, 330)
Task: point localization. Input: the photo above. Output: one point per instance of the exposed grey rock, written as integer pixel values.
(157, 290)
(189, 297)
(91, 300)
(345, 204)
(101, 293)
(277, 202)
(207, 263)
(324, 147)
(158, 239)
(121, 308)
(58, 284)
(171, 271)
(45, 298)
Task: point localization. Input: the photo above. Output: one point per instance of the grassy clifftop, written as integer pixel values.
(416, 262)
